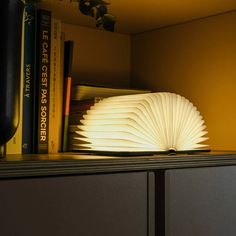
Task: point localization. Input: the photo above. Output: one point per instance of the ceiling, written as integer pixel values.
(136, 16)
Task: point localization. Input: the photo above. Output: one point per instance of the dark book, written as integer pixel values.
(43, 79)
(78, 108)
(68, 58)
(73, 141)
(83, 105)
(74, 118)
(28, 78)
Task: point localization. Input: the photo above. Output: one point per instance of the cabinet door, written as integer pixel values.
(200, 202)
(89, 205)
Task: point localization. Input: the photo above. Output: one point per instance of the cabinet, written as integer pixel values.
(87, 205)
(200, 201)
(71, 194)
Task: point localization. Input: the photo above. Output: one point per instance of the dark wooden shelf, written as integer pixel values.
(73, 163)
(117, 195)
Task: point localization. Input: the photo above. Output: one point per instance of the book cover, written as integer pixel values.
(29, 77)
(153, 122)
(55, 87)
(85, 91)
(43, 79)
(68, 58)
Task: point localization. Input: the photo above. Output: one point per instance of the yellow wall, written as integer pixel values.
(99, 56)
(197, 60)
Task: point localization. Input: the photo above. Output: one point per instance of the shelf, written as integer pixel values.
(73, 163)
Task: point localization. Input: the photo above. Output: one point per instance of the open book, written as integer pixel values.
(153, 122)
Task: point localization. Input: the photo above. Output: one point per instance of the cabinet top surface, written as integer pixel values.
(74, 163)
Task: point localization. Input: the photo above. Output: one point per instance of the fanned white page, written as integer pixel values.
(150, 122)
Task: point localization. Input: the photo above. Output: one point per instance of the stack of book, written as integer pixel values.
(83, 97)
(43, 83)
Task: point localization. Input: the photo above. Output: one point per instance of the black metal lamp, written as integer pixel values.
(11, 15)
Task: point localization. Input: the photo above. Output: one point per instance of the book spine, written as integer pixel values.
(43, 79)
(66, 113)
(55, 92)
(29, 78)
(61, 89)
(68, 58)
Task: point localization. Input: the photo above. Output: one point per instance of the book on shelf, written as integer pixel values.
(142, 123)
(61, 89)
(78, 108)
(43, 44)
(28, 77)
(83, 105)
(68, 59)
(85, 91)
(74, 118)
(55, 95)
(83, 96)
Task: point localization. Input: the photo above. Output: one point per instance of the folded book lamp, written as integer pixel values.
(142, 123)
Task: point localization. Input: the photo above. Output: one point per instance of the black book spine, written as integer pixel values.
(68, 59)
(29, 78)
(43, 79)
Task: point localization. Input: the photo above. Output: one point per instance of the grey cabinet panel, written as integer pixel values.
(89, 205)
(200, 202)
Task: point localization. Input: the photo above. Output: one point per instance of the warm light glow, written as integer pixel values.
(143, 122)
